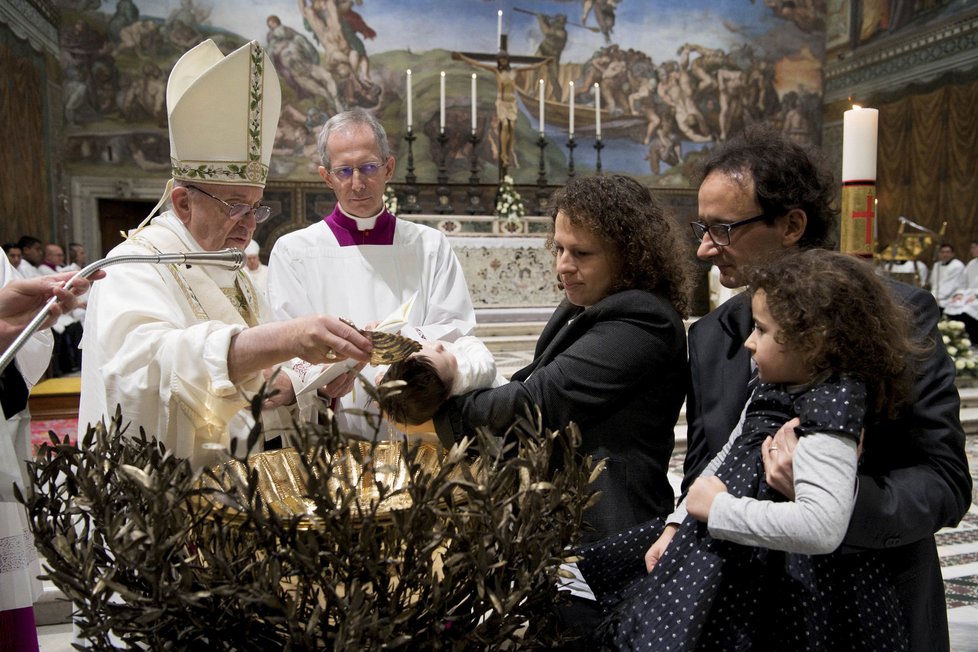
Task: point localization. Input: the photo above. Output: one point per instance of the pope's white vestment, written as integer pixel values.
(310, 273)
(156, 342)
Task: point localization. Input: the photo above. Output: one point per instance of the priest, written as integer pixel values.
(362, 262)
(183, 349)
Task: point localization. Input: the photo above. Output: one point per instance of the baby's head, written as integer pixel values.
(429, 375)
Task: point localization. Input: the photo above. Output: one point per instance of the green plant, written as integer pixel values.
(509, 204)
(151, 554)
(958, 347)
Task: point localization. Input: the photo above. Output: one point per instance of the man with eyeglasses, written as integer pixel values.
(362, 262)
(184, 348)
(761, 195)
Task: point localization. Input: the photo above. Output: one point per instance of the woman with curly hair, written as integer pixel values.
(612, 358)
(832, 351)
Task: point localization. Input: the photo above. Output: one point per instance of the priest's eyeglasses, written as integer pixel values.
(345, 172)
(720, 233)
(240, 211)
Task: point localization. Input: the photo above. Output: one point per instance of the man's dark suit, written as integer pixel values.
(914, 481)
(618, 371)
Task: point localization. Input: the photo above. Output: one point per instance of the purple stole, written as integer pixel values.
(347, 234)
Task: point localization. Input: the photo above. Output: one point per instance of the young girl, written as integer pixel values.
(748, 569)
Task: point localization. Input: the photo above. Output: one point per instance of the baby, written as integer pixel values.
(439, 370)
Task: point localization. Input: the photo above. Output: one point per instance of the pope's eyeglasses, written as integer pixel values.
(238, 212)
(345, 172)
(720, 233)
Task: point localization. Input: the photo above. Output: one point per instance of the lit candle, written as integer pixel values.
(597, 110)
(499, 29)
(859, 127)
(543, 85)
(409, 99)
(571, 130)
(473, 103)
(858, 225)
(441, 114)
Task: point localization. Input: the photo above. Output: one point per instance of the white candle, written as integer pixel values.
(409, 122)
(859, 131)
(441, 114)
(597, 110)
(499, 29)
(473, 103)
(571, 130)
(543, 86)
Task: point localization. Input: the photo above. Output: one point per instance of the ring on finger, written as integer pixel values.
(331, 354)
(772, 449)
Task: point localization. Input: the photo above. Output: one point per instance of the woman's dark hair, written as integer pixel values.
(785, 175)
(420, 398)
(651, 252)
(835, 311)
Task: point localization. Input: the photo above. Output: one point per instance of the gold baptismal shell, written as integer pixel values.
(390, 348)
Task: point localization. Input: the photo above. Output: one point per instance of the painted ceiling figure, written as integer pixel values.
(604, 15)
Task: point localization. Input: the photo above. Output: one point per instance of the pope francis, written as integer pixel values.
(184, 348)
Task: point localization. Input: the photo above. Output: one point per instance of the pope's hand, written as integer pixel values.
(324, 338)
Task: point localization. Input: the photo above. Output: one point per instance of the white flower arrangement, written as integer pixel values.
(509, 204)
(390, 200)
(958, 347)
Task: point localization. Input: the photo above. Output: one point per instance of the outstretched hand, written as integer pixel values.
(21, 300)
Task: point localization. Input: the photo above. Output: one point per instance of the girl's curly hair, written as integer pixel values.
(652, 253)
(835, 311)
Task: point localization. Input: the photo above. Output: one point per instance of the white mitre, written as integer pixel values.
(223, 113)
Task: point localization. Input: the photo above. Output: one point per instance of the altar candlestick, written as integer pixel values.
(441, 113)
(571, 129)
(499, 29)
(859, 135)
(473, 103)
(859, 140)
(409, 121)
(597, 110)
(543, 86)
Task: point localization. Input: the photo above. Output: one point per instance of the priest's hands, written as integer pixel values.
(314, 338)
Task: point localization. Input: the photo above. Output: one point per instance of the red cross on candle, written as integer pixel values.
(868, 216)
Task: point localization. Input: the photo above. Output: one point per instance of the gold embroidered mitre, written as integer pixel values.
(223, 113)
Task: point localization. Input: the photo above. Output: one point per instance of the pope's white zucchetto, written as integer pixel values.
(223, 112)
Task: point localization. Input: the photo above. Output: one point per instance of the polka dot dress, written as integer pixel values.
(707, 594)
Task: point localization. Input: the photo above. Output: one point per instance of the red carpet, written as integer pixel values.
(61, 427)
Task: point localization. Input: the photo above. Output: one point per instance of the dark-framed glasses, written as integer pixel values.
(345, 172)
(239, 211)
(720, 233)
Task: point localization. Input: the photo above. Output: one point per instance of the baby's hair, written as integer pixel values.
(835, 311)
(418, 400)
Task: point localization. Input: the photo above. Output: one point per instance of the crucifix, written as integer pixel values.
(506, 109)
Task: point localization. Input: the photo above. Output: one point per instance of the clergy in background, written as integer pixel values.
(947, 276)
(362, 262)
(182, 348)
(257, 272)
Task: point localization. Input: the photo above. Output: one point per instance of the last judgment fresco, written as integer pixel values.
(657, 81)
